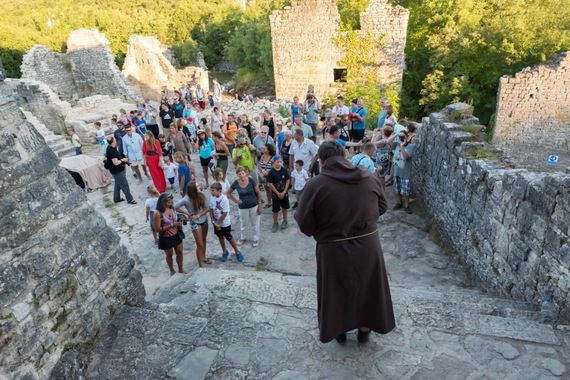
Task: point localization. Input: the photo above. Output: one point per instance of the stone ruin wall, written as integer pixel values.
(533, 108)
(511, 227)
(148, 68)
(383, 19)
(304, 52)
(37, 98)
(87, 68)
(55, 288)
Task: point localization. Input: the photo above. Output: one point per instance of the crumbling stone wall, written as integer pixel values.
(511, 227)
(63, 271)
(88, 68)
(303, 48)
(533, 108)
(148, 68)
(390, 22)
(37, 98)
(304, 51)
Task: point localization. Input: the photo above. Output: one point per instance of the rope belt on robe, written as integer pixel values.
(355, 237)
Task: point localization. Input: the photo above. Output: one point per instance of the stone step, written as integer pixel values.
(457, 309)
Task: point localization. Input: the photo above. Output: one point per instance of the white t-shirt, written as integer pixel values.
(169, 170)
(340, 111)
(150, 203)
(220, 205)
(305, 151)
(300, 179)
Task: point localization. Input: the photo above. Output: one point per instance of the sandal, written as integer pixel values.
(267, 206)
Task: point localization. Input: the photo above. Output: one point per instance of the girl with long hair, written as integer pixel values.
(153, 157)
(169, 231)
(197, 211)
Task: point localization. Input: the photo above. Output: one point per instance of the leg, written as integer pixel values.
(222, 243)
(268, 195)
(205, 173)
(179, 249)
(116, 188)
(145, 171)
(284, 214)
(197, 233)
(137, 172)
(275, 217)
(121, 180)
(243, 222)
(169, 261)
(255, 223)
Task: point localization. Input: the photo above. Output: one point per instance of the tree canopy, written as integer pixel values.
(456, 49)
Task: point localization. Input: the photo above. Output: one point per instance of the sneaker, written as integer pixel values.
(239, 257)
(255, 244)
(284, 225)
(408, 210)
(224, 257)
(295, 205)
(240, 242)
(275, 227)
(132, 202)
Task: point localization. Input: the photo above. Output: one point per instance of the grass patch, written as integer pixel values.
(261, 264)
(60, 320)
(107, 201)
(69, 346)
(481, 153)
(475, 129)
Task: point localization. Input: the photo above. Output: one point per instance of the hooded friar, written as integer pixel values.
(340, 208)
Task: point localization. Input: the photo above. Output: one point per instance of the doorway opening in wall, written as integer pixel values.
(339, 75)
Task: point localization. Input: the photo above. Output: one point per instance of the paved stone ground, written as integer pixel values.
(234, 321)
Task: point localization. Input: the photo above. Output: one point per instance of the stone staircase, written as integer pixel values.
(59, 144)
(218, 324)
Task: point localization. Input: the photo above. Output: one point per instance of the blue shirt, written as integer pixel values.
(294, 111)
(341, 141)
(381, 119)
(359, 125)
(280, 139)
(184, 171)
(364, 161)
(207, 148)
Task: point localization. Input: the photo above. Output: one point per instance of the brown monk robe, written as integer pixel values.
(340, 208)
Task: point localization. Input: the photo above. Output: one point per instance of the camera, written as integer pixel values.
(182, 218)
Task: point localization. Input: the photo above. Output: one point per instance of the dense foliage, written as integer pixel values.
(456, 49)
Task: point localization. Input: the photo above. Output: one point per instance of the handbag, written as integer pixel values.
(181, 233)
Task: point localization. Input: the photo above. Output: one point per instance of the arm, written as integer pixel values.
(305, 216)
(258, 195)
(221, 220)
(181, 182)
(231, 197)
(156, 222)
(287, 183)
(147, 209)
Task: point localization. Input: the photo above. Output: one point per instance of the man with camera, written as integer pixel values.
(404, 149)
(311, 110)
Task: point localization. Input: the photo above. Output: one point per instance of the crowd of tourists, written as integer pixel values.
(271, 160)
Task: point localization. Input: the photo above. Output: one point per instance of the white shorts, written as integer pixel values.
(136, 163)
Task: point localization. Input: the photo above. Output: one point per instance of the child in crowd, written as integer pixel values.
(100, 137)
(220, 213)
(221, 178)
(170, 171)
(75, 140)
(299, 178)
(150, 206)
(165, 146)
(184, 175)
(278, 181)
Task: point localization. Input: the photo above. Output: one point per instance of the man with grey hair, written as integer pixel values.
(306, 129)
(261, 139)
